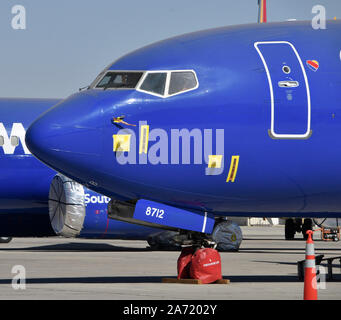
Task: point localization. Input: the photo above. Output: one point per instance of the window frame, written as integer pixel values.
(94, 85)
(187, 90)
(143, 77)
(138, 88)
(167, 85)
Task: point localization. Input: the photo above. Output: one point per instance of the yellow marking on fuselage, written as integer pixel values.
(144, 136)
(214, 161)
(121, 142)
(233, 169)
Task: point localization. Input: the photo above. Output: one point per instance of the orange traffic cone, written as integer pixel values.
(310, 282)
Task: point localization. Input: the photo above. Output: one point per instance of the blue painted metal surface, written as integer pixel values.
(162, 214)
(97, 225)
(275, 177)
(289, 103)
(25, 183)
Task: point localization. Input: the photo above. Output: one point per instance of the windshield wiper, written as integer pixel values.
(83, 88)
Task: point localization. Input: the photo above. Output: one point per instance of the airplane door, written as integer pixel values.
(289, 90)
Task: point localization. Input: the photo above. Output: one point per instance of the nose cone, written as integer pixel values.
(67, 137)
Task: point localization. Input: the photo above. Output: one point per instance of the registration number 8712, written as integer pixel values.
(155, 212)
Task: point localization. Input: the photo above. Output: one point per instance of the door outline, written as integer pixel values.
(272, 132)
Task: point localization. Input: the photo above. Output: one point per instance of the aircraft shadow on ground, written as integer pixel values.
(78, 247)
(157, 279)
(148, 279)
(299, 251)
(89, 280)
(283, 240)
(334, 265)
(105, 247)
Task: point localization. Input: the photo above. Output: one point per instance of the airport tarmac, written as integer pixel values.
(56, 268)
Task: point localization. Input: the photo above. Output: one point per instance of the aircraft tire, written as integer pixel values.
(228, 236)
(66, 206)
(307, 225)
(290, 229)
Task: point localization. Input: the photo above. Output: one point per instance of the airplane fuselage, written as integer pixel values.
(268, 102)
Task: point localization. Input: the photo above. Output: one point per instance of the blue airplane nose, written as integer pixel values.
(68, 134)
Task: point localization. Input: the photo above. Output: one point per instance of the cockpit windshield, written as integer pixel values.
(155, 83)
(163, 83)
(168, 83)
(120, 80)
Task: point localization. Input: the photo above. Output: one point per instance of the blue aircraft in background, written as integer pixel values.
(27, 193)
(234, 121)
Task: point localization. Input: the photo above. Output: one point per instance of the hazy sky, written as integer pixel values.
(68, 42)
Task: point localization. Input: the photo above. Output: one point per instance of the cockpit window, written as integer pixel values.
(120, 80)
(155, 83)
(168, 83)
(182, 81)
(161, 83)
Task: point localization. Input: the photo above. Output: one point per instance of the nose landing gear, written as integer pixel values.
(293, 226)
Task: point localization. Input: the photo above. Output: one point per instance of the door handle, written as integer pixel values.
(288, 84)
